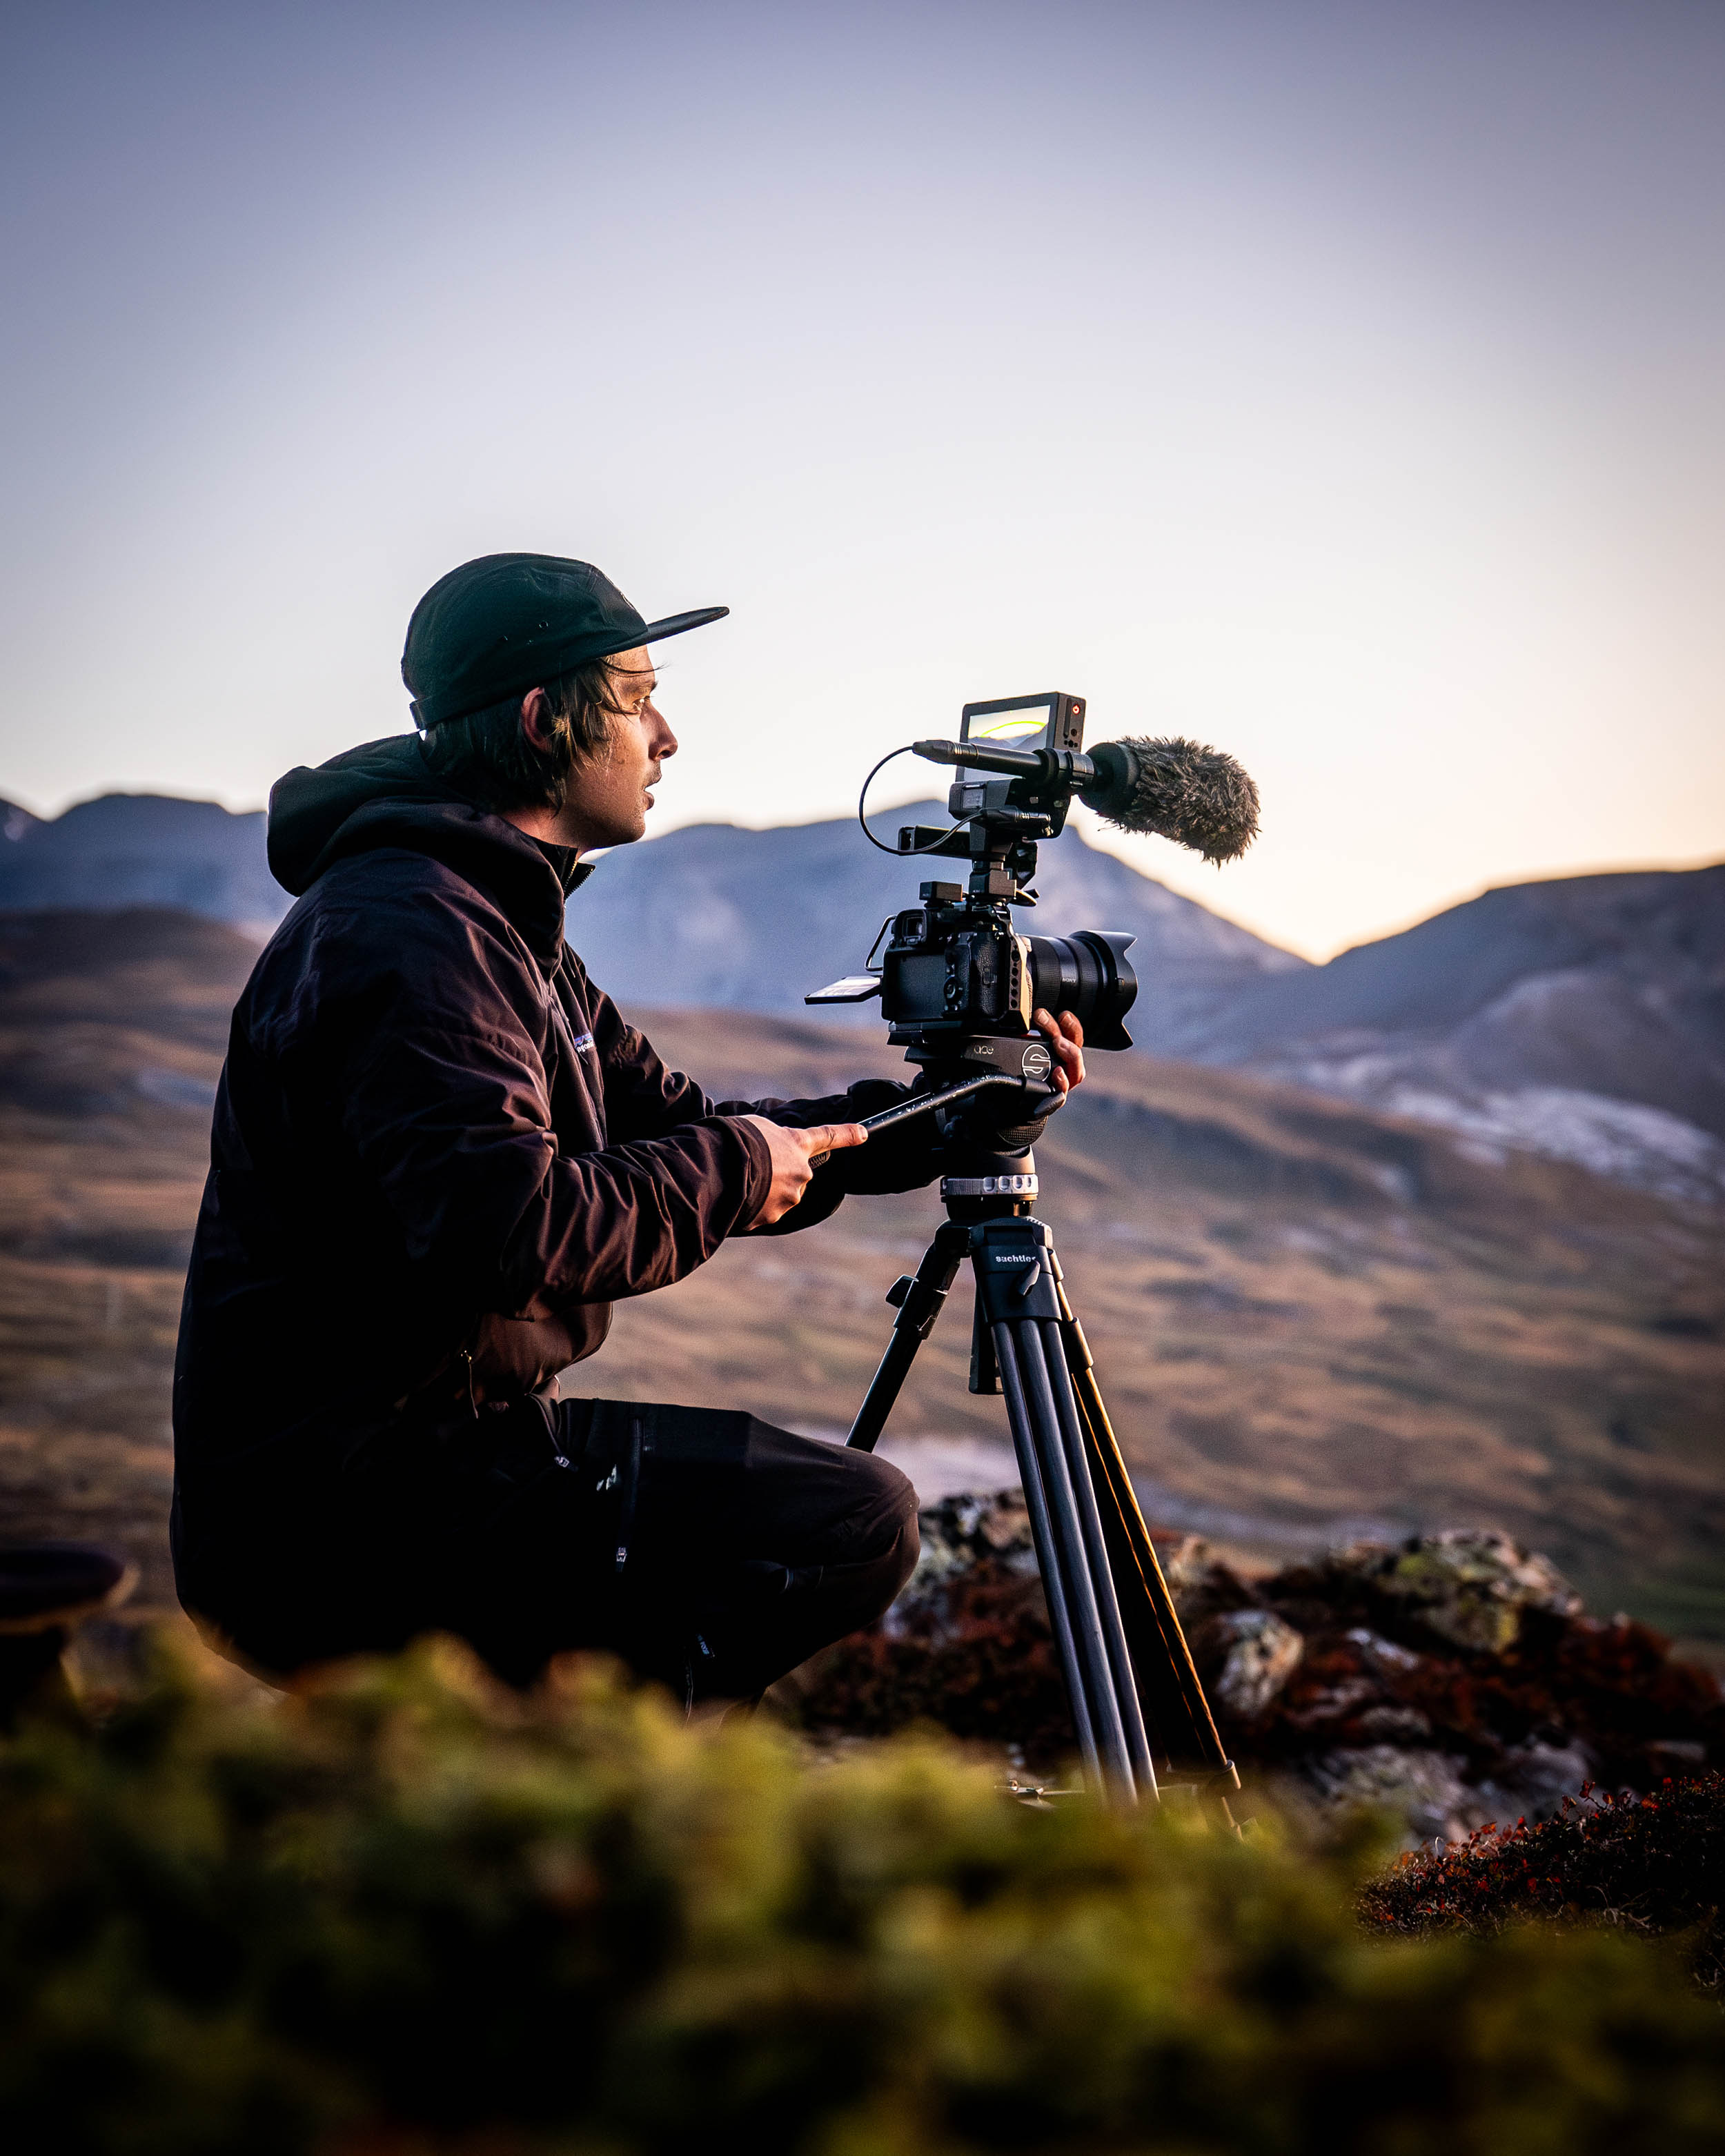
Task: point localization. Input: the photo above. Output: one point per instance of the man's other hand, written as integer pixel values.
(792, 1153)
(1065, 1037)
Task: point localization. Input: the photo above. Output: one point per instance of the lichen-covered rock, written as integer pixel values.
(1375, 1650)
(1467, 1586)
(1245, 1657)
(1532, 1780)
(1424, 1790)
(958, 1534)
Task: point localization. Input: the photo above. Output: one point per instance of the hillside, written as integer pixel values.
(1554, 1014)
(1582, 1018)
(1308, 1316)
(712, 914)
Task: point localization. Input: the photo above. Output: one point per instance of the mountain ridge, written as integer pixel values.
(127, 849)
(1582, 1017)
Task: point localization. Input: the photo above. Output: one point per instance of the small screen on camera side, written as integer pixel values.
(1026, 726)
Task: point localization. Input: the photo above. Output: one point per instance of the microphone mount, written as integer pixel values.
(1050, 765)
(1102, 780)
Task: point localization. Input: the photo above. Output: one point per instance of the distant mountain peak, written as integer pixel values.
(150, 850)
(715, 914)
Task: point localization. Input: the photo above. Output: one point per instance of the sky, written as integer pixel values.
(1338, 384)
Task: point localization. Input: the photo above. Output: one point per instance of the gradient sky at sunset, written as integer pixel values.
(1340, 383)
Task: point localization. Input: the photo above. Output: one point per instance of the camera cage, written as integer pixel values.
(957, 982)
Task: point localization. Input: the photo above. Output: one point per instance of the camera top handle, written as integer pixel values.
(923, 1104)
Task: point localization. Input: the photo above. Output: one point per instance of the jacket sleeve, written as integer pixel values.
(903, 1158)
(642, 1094)
(443, 1094)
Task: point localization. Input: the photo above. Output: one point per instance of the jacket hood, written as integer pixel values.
(384, 793)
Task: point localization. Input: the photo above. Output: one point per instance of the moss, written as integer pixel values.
(405, 1911)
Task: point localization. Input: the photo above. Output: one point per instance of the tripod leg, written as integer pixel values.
(917, 1310)
(1042, 1533)
(984, 1378)
(1100, 1569)
(1161, 1655)
(1089, 1599)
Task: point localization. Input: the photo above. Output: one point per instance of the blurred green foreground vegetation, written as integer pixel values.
(405, 1911)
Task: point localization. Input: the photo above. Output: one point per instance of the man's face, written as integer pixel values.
(608, 795)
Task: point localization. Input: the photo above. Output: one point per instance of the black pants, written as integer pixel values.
(707, 1549)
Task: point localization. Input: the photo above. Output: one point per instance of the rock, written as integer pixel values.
(959, 1533)
(1383, 1657)
(1395, 1725)
(1245, 1656)
(1423, 1789)
(47, 1591)
(1677, 1754)
(1374, 1666)
(1468, 1586)
(1531, 1780)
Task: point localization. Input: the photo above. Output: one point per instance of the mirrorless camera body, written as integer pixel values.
(955, 965)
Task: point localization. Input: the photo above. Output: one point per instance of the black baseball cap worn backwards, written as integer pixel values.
(508, 622)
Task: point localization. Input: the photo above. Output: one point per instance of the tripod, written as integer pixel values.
(1126, 1665)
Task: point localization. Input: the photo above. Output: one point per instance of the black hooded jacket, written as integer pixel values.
(440, 1152)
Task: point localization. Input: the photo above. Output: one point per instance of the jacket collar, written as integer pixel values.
(383, 794)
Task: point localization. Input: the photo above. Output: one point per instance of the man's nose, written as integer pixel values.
(664, 741)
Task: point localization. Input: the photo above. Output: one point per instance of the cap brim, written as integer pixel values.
(673, 624)
(550, 663)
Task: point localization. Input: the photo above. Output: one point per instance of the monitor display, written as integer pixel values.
(1020, 725)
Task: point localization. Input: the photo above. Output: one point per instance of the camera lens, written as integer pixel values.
(1090, 975)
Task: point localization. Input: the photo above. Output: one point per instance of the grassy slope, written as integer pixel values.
(1300, 1311)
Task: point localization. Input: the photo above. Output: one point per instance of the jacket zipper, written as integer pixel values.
(631, 1485)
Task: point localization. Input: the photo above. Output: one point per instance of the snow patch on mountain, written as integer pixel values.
(1624, 1140)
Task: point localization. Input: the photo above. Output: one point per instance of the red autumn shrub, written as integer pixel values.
(1647, 1865)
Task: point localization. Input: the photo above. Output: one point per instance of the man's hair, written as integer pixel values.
(487, 757)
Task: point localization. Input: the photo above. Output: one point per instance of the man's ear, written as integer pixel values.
(539, 728)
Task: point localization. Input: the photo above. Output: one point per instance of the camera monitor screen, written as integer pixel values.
(1013, 723)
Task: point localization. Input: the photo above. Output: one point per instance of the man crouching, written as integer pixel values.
(439, 1154)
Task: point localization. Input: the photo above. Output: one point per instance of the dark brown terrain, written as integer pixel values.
(1304, 1312)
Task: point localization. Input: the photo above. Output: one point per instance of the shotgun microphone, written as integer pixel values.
(1177, 789)
(1168, 787)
